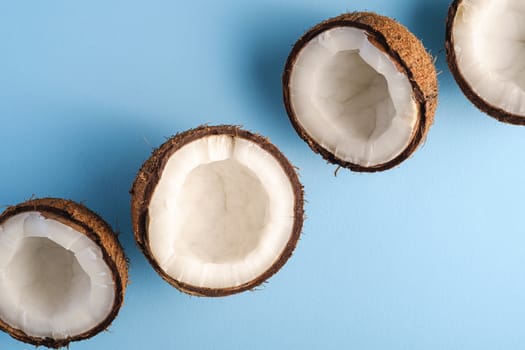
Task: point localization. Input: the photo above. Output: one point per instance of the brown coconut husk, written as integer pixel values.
(410, 57)
(85, 221)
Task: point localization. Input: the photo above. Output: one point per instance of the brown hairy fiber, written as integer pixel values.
(148, 178)
(480, 103)
(95, 228)
(410, 57)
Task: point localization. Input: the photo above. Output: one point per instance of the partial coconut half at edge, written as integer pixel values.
(63, 273)
(217, 210)
(361, 90)
(486, 53)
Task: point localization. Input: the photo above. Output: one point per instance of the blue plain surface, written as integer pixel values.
(429, 255)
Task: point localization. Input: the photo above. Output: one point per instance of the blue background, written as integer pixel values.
(429, 255)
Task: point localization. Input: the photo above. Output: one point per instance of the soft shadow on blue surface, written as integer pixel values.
(268, 35)
(87, 153)
(111, 150)
(428, 23)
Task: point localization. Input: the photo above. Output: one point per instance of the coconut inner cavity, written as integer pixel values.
(225, 207)
(351, 99)
(45, 274)
(221, 214)
(53, 280)
(489, 43)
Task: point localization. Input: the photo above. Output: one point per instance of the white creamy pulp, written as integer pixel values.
(53, 280)
(489, 43)
(221, 214)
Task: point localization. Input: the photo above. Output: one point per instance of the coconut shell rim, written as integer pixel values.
(480, 103)
(96, 229)
(377, 38)
(149, 175)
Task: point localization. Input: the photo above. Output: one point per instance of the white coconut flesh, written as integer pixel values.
(489, 43)
(221, 214)
(53, 280)
(351, 98)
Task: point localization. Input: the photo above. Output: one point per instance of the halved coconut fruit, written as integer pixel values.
(63, 273)
(217, 210)
(361, 90)
(486, 53)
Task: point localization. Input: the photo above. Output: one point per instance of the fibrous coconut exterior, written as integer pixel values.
(410, 57)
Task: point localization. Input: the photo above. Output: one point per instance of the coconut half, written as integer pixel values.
(361, 90)
(63, 273)
(217, 210)
(486, 53)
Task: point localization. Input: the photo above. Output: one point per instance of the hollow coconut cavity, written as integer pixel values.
(217, 210)
(62, 272)
(486, 54)
(361, 90)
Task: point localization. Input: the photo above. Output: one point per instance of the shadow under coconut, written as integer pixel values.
(272, 33)
(428, 23)
(92, 158)
(110, 150)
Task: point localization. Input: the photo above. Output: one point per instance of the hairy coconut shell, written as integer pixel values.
(85, 221)
(410, 57)
(478, 101)
(148, 178)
